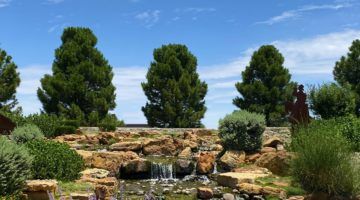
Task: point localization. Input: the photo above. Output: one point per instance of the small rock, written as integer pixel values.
(204, 193)
(232, 159)
(228, 196)
(267, 149)
(186, 153)
(205, 163)
(296, 198)
(272, 142)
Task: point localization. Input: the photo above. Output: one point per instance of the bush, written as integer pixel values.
(323, 161)
(55, 160)
(25, 133)
(109, 123)
(331, 100)
(15, 165)
(47, 123)
(350, 129)
(242, 130)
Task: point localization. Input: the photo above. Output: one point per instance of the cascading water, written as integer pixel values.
(162, 171)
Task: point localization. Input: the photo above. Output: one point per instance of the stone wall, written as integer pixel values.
(283, 133)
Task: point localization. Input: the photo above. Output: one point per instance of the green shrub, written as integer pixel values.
(242, 130)
(323, 161)
(25, 133)
(47, 123)
(331, 100)
(55, 160)
(15, 165)
(109, 123)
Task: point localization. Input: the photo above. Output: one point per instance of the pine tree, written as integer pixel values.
(9, 81)
(173, 88)
(81, 82)
(347, 71)
(265, 85)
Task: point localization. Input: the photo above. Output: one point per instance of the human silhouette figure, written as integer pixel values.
(299, 111)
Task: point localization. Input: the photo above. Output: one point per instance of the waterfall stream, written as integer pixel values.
(162, 171)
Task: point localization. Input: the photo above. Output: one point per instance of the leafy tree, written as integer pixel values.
(173, 88)
(265, 85)
(332, 100)
(81, 82)
(9, 81)
(347, 71)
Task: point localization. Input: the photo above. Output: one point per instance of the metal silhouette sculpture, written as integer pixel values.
(6, 125)
(298, 111)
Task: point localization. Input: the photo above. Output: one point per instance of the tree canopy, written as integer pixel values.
(266, 85)
(347, 71)
(81, 83)
(9, 81)
(174, 91)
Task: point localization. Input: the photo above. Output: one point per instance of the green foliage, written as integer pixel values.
(242, 130)
(173, 88)
(323, 161)
(331, 100)
(55, 160)
(81, 82)
(265, 86)
(48, 124)
(9, 81)
(346, 71)
(109, 123)
(25, 133)
(15, 164)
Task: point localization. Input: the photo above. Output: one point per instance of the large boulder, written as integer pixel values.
(184, 167)
(205, 163)
(204, 193)
(106, 188)
(126, 146)
(163, 146)
(232, 159)
(139, 168)
(87, 156)
(94, 173)
(186, 153)
(112, 160)
(277, 162)
(40, 189)
(233, 179)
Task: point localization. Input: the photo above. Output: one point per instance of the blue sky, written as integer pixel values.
(312, 35)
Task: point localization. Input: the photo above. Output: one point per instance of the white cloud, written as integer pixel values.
(4, 3)
(148, 18)
(196, 10)
(293, 14)
(128, 83)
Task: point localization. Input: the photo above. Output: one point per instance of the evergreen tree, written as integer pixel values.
(173, 88)
(347, 71)
(9, 81)
(81, 82)
(265, 85)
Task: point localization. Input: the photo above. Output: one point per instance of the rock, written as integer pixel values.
(39, 189)
(82, 196)
(232, 159)
(252, 157)
(276, 162)
(112, 160)
(191, 144)
(272, 142)
(166, 146)
(105, 188)
(189, 135)
(202, 132)
(228, 196)
(267, 149)
(216, 147)
(233, 179)
(95, 173)
(296, 198)
(272, 191)
(184, 167)
(186, 153)
(139, 168)
(204, 193)
(126, 146)
(86, 155)
(205, 163)
(252, 170)
(249, 188)
(280, 147)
